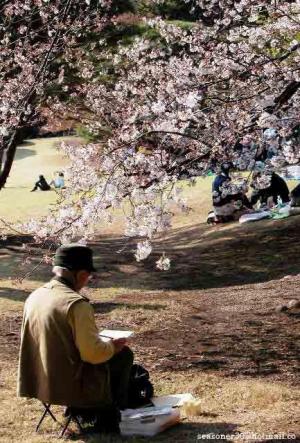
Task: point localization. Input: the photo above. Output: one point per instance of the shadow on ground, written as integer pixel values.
(202, 257)
(24, 153)
(13, 294)
(13, 259)
(106, 307)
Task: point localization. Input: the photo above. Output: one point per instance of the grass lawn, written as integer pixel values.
(33, 158)
(208, 326)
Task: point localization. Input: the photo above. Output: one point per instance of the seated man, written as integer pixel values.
(295, 196)
(41, 184)
(63, 360)
(269, 195)
(225, 206)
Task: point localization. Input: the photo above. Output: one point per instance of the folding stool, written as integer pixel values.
(71, 417)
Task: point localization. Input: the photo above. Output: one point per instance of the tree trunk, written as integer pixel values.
(8, 154)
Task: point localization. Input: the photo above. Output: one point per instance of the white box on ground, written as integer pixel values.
(148, 422)
(111, 334)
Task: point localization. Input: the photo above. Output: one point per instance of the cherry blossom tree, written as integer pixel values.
(176, 104)
(37, 36)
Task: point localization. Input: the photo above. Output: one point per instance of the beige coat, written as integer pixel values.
(50, 367)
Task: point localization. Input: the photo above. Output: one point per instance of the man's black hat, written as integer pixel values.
(74, 257)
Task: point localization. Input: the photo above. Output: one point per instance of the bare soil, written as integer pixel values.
(185, 320)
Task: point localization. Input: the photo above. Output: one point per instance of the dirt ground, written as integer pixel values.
(208, 326)
(233, 332)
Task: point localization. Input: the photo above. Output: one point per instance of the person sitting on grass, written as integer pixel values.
(227, 204)
(295, 196)
(268, 196)
(58, 181)
(63, 361)
(41, 184)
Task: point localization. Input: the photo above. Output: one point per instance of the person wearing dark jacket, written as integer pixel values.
(295, 196)
(278, 188)
(226, 205)
(41, 184)
(220, 180)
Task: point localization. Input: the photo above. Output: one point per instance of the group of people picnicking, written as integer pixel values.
(227, 204)
(58, 182)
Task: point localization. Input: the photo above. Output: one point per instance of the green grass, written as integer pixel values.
(40, 156)
(35, 157)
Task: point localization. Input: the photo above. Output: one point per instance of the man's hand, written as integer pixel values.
(119, 344)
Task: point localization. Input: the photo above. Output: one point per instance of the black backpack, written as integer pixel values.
(140, 389)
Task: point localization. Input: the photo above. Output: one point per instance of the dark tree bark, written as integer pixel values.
(8, 154)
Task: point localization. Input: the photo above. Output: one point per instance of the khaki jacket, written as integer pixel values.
(50, 366)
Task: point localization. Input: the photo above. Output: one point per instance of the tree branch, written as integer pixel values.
(9, 149)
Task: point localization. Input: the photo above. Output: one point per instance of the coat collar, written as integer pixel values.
(65, 282)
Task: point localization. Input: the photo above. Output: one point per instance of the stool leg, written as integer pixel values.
(65, 427)
(46, 411)
(41, 420)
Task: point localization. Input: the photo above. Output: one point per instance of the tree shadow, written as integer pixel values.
(26, 143)
(106, 307)
(204, 257)
(13, 294)
(24, 153)
(13, 256)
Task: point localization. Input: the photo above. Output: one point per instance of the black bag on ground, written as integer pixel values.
(140, 387)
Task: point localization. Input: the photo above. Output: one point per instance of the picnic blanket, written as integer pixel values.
(292, 172)
(255, 216)
(278, 212)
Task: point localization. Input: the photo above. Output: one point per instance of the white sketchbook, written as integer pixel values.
(110, 334)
